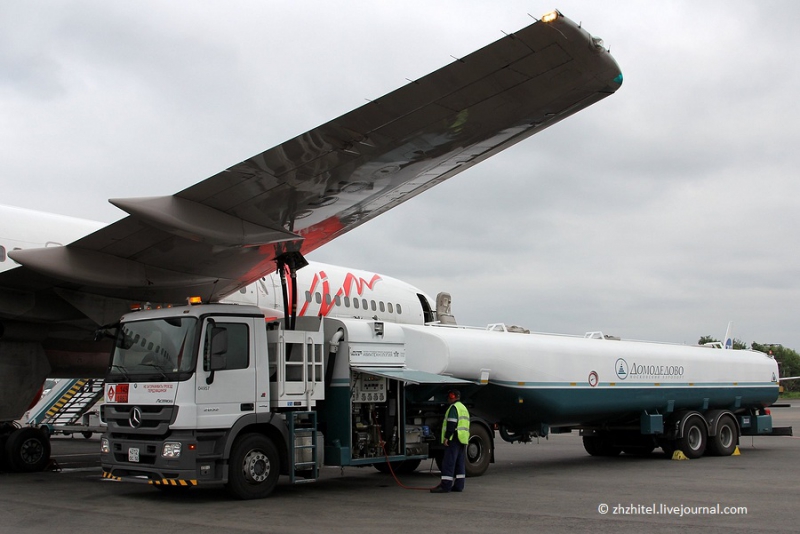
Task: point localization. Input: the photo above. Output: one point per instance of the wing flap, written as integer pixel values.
(103, 270)
(197, 222)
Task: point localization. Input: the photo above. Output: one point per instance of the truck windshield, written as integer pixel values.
(154, 350)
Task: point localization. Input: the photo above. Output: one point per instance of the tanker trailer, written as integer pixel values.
(623, 396)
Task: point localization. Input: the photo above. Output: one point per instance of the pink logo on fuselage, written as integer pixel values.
(351, 282)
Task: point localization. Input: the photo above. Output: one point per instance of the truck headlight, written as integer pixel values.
(104, 447)
(172, 449)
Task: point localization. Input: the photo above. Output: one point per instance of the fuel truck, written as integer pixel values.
(221, 394)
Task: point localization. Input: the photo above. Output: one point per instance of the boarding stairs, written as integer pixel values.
(66, 403)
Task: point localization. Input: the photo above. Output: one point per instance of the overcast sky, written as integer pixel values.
(659, 213)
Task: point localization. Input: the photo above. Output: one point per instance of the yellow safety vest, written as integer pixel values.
(462, 425)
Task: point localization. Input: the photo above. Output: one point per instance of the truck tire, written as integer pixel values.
(600, 446)
(479, 450)
(726, 439)
(693, 442)
(254, 467)
(400, 467)
(27, 450)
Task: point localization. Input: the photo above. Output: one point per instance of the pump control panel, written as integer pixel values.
(369, 388)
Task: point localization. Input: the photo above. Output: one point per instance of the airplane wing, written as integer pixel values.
(226, 231)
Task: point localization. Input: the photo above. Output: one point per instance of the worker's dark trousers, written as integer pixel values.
(454, 467)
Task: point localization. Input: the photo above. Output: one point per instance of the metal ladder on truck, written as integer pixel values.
(67, 409)
(304, 449)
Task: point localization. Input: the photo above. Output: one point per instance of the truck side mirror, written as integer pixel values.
(219, 341)
(217, 363)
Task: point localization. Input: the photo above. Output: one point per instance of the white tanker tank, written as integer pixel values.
(627, 396)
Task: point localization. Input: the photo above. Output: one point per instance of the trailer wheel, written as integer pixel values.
(400, 467)
(27, 450)
(693, 442)
(479, 450)
(254, 467)
(724, 443)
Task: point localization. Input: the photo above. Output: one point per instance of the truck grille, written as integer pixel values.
(131, 420)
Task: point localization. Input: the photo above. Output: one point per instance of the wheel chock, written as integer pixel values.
(678, 455)
(736, 452)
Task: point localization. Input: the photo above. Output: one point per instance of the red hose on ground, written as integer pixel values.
(386, 454)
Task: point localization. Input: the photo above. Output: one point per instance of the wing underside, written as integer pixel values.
(226, 231)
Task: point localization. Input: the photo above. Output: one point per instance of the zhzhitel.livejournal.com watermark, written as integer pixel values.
(679, 510)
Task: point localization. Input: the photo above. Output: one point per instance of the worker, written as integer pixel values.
(455, 436)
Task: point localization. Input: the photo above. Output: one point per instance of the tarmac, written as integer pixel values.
(549, 486)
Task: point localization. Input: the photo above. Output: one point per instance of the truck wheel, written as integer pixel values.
(479, 450)
(27, 450)
(600, 446)
(401, 467)
(724, 443)
(693, 442)
(254, 467)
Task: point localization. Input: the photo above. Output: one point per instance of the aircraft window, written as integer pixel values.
(308, 296)
(243, 290)
(150, 346)
(364, 304)
(382, 306)
(347, 302)
(338, 300)
(2, 253)
(355, 303)
(328, 299)
(374, 308)
(399, 310)
(318, 297)
(389, 304)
